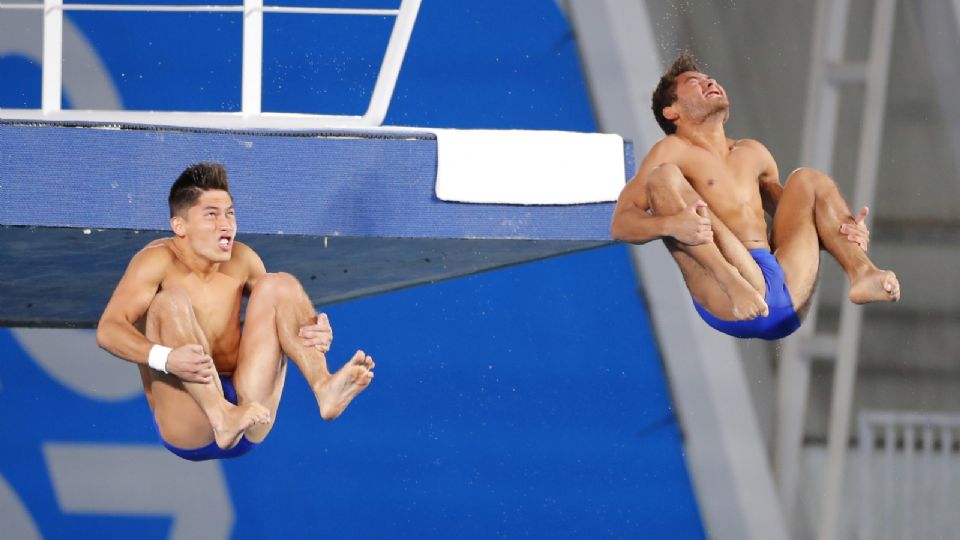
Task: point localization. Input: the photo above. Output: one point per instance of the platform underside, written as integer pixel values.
(63, 277)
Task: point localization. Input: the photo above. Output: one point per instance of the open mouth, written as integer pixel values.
(225, 243)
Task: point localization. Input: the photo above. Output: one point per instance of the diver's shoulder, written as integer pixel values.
(245, 256)
(671, 145)
(673, 141)
(158, 250)
(243, 250)
(751, 143)
(153, 261)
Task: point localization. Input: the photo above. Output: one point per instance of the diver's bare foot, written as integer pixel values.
(236, 420)
(336, 392)
(746, 301)
(875, 286)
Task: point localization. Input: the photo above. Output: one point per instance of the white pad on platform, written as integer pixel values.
(528, 167)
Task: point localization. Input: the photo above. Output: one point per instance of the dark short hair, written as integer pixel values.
(193, 181)
(666, 91)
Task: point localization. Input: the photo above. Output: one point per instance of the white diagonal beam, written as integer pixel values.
(141, 480)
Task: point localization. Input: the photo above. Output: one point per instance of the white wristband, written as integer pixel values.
(158, 357)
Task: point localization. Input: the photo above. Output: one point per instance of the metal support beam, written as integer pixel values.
(851, 316)
(819, 134)
(940, 30)
(828, 73)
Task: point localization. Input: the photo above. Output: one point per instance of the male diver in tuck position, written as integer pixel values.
(705, 195)
(214, 392)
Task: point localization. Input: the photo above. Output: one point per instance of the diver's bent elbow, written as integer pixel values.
(102, 336)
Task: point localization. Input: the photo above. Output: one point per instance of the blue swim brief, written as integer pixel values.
(782, 320)
(212, 451)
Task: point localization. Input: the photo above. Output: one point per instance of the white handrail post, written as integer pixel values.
(52, 66)
(392, 60)
(865, 457)
(252, 82)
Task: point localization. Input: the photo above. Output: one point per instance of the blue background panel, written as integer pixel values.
(527, 402)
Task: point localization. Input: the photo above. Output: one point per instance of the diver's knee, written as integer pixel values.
(665, 173)
(808, 177)
(171, 301)
(277, 285)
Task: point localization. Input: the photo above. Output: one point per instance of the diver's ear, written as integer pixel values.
(671, 113)
(178, 226)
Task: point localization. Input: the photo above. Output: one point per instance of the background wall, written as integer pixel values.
(760, 51)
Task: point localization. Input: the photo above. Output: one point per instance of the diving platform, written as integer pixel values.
(350, 212)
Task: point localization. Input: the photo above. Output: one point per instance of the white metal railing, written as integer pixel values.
(909, 476)
(251, 114)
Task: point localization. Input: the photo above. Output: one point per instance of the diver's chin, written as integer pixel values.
(721, 111)
(721, 106)
(219, 256)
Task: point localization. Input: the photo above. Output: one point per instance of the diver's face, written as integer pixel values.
(210, 226)
(699, 96)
